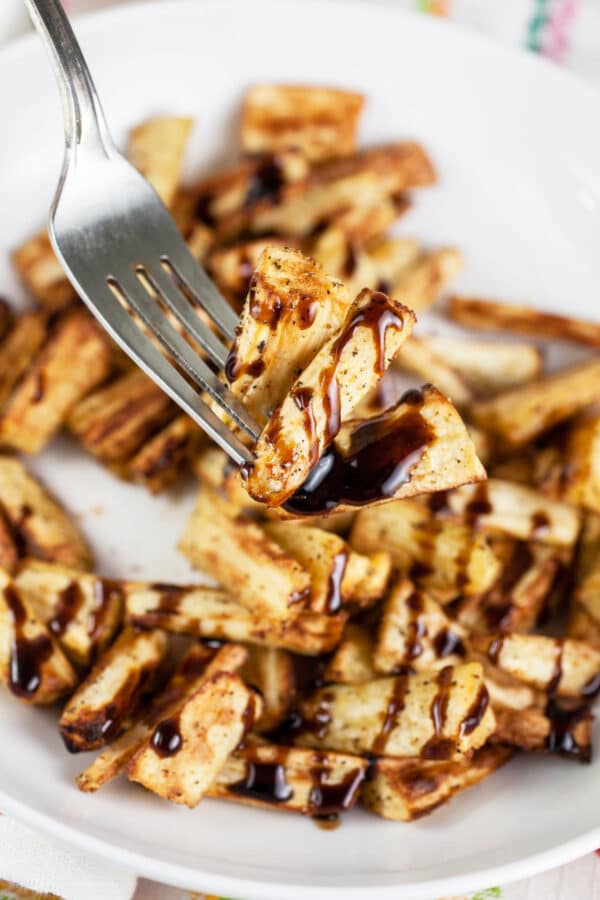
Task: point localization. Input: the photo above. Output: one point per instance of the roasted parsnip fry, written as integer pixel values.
(186, 751)
(415, 631)
(391, 259)
(9, 550)
(338, 576)
(352, 662)
(407, 789)
(112, 692)
(521, 414)
(271, 671)
(156, 148)
(561, 667)
(75, 359)
(506, 691)
(164, 458)
(210, 613)
(582, 626)
(420, 285)
(490, 315)
(489, 367)
(42, 273)
(114, 421)
(32, 665)
(40, 526)
(566, 732)
(239, 553)
(586, 596)
(418, 446)
(232, 267)
(314, 783)
(345, 259)
(19, 348)
(418, 358)
(437, 716)
(198, 665)
(445, 558)
(513, 509)
(83, 612)
(320, 121)
(343, 371)
(581, 464)
(292, 309)
(516, 600)
(361, 193)
(215, 470)
(230, 194)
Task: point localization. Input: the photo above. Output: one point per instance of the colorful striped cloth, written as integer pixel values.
(567, 32)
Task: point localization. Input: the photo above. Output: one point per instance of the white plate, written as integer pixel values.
(517, 144)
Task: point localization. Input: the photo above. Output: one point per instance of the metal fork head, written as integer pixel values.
(123, 253)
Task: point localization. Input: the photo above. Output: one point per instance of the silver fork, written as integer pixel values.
(124, 254)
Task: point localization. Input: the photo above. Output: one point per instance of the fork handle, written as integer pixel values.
(84, 119)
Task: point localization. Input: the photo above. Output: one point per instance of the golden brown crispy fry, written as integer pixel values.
(521, 414)
(352, 662)
(418, 446)
(75, 359)
(156, 148)
(199, 664)
(345, 259)
(114, 421)
(229, 194)
(83, 612)
(18, 349)
(418, 358)
(310, 782)
(435, 715)
(407, 789)
(445, 558)
(362, 193)
(210, 613)
(186, 751)
(40, 525)
(232, 267)
(423, 281)
(391, 259)
(415, 631)
(32, 665)
(586, 596)
(320, 121)
(488, 366)
(42, 273)
(165, 457)
(515, 602)
(521, 512)
(292, 309)
(215, 470)
(9, 551)
(506, 691)
(562, 667)
(581, 473)
(564, 732)
(113, 691)
(338, 576)
(343, 371)
(239, 553)
(490, 315)
(271, 671)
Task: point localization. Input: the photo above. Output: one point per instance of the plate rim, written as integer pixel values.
(254, 889)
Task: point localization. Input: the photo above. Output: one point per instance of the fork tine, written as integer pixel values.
(185, 314)
(145, 305)
(117, 321)
(191, 273)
